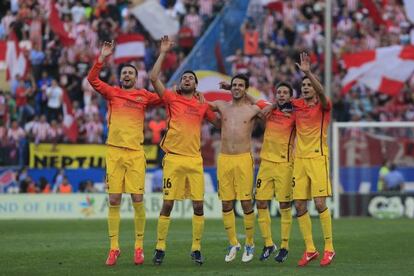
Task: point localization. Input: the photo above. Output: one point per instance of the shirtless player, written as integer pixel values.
(235, 164)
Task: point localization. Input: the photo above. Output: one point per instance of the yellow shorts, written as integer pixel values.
(274, 179)
(235, 176)
(183, 177)
(311, 178)
(125, 170)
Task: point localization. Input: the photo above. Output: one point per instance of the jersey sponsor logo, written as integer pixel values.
(134, 105)
(192, 111)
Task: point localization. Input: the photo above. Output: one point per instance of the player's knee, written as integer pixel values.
(137, 198)
(167, 207)
(247, 206)
(320, 205)
(198, 207)
(227, 206)
(300, 207)
(285, 205)
(261, 204)
(115, 199)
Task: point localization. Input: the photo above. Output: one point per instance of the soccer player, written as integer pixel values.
(311, 164)
(125, 159)
(275, 172)
(235, 164)
(183, 165)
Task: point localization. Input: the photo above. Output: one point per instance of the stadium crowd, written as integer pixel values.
(32, 110)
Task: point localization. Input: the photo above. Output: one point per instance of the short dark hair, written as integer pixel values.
(305, 77)
(128, 65)
(242, 77)
(285, 84)
(189, 72)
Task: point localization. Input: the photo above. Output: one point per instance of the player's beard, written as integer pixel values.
(187, 91)
(127, 86)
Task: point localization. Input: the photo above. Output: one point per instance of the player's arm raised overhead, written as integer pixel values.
(93, 76)
(305, 67)
(166, 45)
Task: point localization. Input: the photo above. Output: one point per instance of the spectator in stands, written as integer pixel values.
(65, 187)
(87, 187)
(54, 95)
(394, 180)
(41, 130)
(194, 21)
(15, 134)
(25, 110)
(94, 129)
(55, 132)
(157, 124)
(44, 186)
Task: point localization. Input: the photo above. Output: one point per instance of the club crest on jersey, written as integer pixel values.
(139, 99)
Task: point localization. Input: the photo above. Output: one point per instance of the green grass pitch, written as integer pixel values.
(364, 246)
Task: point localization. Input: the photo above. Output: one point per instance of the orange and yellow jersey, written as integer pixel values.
(185, 117)
(312, 123)
(126, 111)
(279, 135)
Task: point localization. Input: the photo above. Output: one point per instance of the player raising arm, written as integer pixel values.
(182, 164)
(125, 159)
(311, 164)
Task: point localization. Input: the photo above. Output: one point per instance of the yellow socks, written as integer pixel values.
(249, 227)
(285, 225)
(198, 228)
(264, 225)
(162, 231)
(305, 226)
(326, 223)
(230, 225)
(139, 221)
(113, 225)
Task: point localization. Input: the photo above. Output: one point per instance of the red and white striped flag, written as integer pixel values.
(70, 127)
(384, 69)
(16, 62)
(129, 47)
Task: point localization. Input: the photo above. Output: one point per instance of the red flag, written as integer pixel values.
(70, 127)
(384, 69)
(129, 47)
(373, 12)
(57, 27)
(16, 61)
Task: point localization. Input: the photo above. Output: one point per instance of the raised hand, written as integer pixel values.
(166, 44)
(304, 65)
(107, 48)
(224, 85)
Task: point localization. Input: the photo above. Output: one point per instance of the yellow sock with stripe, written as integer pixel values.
(162, 231)
(229, 221)
(114, 219)
(249, 227)
(305, 226)
(264, 225)
(139, 221)
(326, 223)
(285, 226)
(198, 229)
